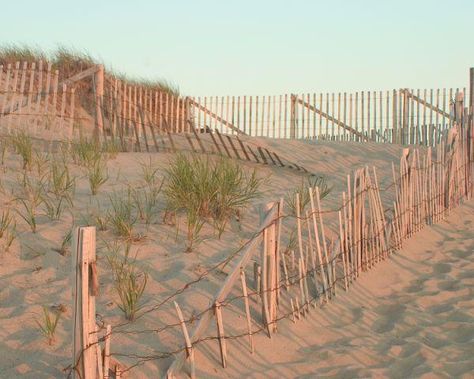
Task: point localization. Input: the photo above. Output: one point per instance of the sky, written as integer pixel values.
(261, 47)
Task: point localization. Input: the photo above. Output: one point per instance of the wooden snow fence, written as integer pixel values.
(268, 237)
(290, 284)
(33, 101)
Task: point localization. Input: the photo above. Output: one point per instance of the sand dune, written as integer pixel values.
(410, 317)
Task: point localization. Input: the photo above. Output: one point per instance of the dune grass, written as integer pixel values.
(129, 280)
(208, 190)
(303, 191)
(48, 324)
(23, 145)
(71, 61)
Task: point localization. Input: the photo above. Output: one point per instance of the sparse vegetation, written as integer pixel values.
(303, 190)
(146, 201)
(149, 172)
(97, 174)
(62, 183)
(85, 152)
(69, 62)
(7, 230)
(65, 243)
(122, 216)
(129, 281)
(6, 220)
(208, 190)
(23, 145)
(48, 324)
(33, 197)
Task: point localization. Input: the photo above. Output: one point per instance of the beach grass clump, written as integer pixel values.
(62, 183)
(54, 206)
(65, 243)
(97, 175)
(207, 190)
(3, 153)
(71, 61)
(23, 145)
(7, 230)
(86, 152)
(235, 191)
(48, 324)
(149, 172)
(59, 190)
(146, 200)
(129, 281)
(122, 215)
(32, 197)
(6, 221)
(304, 195)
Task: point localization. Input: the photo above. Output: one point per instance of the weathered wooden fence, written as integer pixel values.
(288, 284)
(32, 97)
(32, 100)
(404, 116)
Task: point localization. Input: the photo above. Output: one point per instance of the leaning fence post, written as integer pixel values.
(189, 346)
(220, 333)
(85, 286)
(108, 333)
(99, 98)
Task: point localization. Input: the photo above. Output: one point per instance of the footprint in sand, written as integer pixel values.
(461, 254)
(433, 341)
(459, 316)
(466, 275)
(389, 314)
(409, 349)
(410, 367)
(439, 308)
(449, 285)
(415, 286)
(390, 309)
(383, 325)
(458, 369)
(441, 268)
(462, 334)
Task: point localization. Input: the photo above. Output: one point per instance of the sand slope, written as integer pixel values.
(33, 274)
(412, 316)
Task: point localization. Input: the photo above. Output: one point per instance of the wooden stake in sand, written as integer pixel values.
(220, 333)
(247, 307)
(323, 237)
(84, 337)
(189, 346)
(318, 246)
(108, 333)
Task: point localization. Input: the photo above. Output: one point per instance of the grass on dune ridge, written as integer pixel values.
(70, 61)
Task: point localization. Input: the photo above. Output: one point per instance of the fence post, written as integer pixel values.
(394, 117)
(85, 286)
(404, 132)
(99, 99)
(293, 117)
(471, 93)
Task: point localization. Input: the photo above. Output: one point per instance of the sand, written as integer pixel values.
(361, 330)
(410, 317)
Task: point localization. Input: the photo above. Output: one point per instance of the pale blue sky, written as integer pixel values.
(260, 47)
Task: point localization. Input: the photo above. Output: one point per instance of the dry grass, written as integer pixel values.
(72, 61)
(208, 190)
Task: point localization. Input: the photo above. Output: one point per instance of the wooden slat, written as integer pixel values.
(428, 105)
(213, 115)
(330, 118)
(81, 75)
(223, 292)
